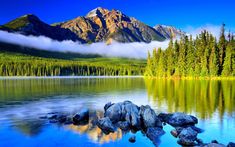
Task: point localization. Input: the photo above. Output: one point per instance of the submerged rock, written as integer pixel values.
(231, 144)
(154, 134)
(214, 145)
(132, 139)
(61, 118)
(149, 117)
(57, 117)
(187, 137)
(106, 125)
(81, 116)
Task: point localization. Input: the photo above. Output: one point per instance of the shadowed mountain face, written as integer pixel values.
(98, 25)
(32, 25)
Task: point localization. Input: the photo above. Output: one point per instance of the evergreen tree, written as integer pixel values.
(149, 69)
(214, 61)
(170, 58)
(162, 66)
(227, 66)
(190, 58)
(222, 47)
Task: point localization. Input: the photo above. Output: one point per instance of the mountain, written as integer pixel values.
(168, 31)
(103, 25)
(32, 25)
(99, 25)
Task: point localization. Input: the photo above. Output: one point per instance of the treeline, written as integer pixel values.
(200, 57)
(34, 68)
(21, 61)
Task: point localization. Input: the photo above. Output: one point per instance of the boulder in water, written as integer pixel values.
(149, 117)
(105, 125)
(81, 116)
(187, 137)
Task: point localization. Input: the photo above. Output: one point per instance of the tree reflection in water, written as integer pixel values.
(202, 97)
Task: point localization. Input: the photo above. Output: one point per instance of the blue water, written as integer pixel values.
(23, 101)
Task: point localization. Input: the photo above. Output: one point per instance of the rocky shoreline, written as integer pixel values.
(128, 116)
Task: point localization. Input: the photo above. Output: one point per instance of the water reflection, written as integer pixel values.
(95, 134)
(22, 101)
(30, 128)
(203, 97)
(33, 89)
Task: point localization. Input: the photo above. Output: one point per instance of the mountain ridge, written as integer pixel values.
(98, 25)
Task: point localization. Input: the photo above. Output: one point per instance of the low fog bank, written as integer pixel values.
(127, 50)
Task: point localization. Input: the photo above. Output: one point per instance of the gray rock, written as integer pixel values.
(106, 106)
(154, 134)
(179, 129)
(105, 125)
(114, 112)
(187, 137)
(164, 117)
(214, 145)
(124, 125)
(124, 111)
(182, 119)
(231, 144)
(199, 142)
(149, 117)
(131, 112)
(82, 116)
(132, 139)
(198, 130)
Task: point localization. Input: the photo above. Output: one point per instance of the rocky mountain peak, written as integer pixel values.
(169, 31)
(97, 12)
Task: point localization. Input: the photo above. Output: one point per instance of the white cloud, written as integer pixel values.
(129, 50)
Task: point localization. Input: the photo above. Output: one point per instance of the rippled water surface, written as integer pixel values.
(24, 101)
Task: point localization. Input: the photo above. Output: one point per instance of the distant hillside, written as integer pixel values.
(32, 25)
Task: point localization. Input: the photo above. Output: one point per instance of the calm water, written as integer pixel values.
(23, 101)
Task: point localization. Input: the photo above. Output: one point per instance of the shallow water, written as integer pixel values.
(24, 100)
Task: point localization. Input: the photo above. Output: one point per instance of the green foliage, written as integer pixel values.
(17, 23)
(227, 66)
(17, 64)
(201, 57)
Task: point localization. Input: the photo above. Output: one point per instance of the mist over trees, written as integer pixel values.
(200, 57)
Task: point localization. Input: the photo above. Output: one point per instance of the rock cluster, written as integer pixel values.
(128, 116)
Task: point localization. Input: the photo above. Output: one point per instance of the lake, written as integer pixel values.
(24, 100)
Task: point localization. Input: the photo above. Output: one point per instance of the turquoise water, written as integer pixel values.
(23, 101)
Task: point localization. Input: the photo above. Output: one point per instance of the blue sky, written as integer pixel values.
(179, 13)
